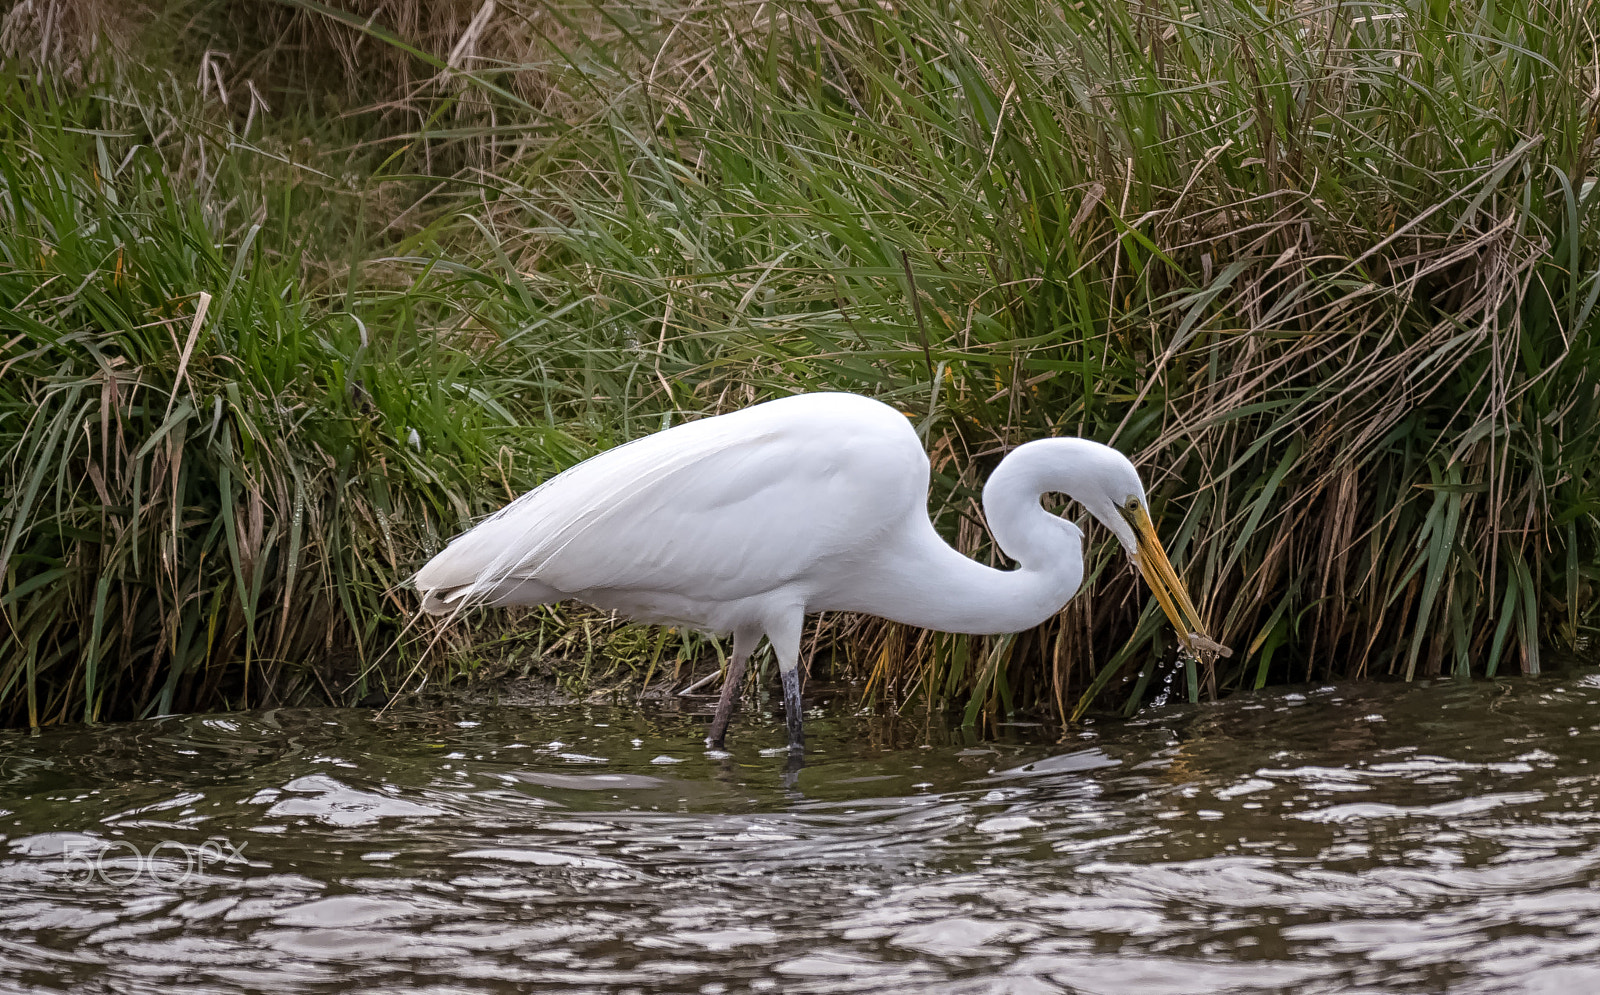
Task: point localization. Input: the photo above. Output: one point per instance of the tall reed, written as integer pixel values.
(1328, 272)
(215, 472)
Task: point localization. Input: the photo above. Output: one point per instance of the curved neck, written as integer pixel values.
(1074, 467)
(929, 584)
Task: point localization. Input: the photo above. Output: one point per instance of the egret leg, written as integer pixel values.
(794, 710)
(785, 638)
(744, 643)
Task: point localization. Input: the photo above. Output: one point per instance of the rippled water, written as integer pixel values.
(1373, 838)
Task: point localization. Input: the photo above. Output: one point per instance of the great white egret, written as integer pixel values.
(747, 522)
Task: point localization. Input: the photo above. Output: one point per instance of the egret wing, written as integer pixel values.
(715, 510)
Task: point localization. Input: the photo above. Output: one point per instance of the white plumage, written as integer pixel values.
(748, 521)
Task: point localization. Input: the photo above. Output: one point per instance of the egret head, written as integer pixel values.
(1112, 492)
(1151, 561)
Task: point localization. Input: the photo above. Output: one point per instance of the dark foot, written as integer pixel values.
(792, 767)
(792, 709)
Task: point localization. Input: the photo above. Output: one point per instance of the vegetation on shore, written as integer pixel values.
(296, 294)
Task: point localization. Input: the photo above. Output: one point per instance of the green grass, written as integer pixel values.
(214, 475)
(1329, 274)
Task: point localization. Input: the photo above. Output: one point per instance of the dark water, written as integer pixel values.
(1383, 839)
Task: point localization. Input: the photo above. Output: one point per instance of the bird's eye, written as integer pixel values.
(1133, 504)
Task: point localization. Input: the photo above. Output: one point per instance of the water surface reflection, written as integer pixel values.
(1382, 838)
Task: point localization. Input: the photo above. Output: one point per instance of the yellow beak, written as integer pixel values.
(1157, 570)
